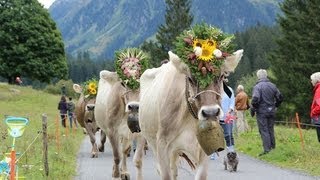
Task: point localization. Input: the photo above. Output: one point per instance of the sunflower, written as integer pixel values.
(92, 85)
(91, 88)
(92, 91)
(205, 48)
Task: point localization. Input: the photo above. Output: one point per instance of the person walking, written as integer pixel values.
(227, 120)
(62, 107)
(70, 108)
(266, 97)
(63, 90)
(315, 105)
(242, 104)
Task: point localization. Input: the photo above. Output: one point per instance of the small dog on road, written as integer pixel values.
(231, 161)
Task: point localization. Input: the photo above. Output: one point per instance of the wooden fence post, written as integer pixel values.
(45, 144)
(300, 131)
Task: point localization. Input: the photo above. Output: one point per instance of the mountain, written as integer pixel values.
(103, 26)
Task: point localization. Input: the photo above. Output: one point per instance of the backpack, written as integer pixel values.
(71, 106)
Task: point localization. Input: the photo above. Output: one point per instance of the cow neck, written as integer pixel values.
(190, 100)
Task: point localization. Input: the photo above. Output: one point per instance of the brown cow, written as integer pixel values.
(171, 108)
(115, 103)
(84, 111)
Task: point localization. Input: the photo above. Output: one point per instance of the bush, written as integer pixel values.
(56, 88)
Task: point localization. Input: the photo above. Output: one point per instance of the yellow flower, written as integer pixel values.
(93, 91)
(92, 85)
(207, 46)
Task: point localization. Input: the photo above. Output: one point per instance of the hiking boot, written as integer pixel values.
(263, 153)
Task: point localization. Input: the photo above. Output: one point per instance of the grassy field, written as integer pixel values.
(26, 102)
(289, 152)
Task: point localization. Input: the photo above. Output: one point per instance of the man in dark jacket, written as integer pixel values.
(266, 97)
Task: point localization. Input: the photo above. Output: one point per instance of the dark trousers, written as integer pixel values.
(266, 130)
(318, 132)
(227, 131)
(63, 119)
(70, 115)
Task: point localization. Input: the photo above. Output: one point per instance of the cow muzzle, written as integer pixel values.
(133, 118)
(209, 112)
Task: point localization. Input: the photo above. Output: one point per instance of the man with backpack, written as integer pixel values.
(70, 108)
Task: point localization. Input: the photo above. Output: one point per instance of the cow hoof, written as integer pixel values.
(125, 176)
(94, 155)
(101, 148)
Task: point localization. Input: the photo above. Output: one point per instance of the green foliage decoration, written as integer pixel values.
(130, 63)
(204, 67)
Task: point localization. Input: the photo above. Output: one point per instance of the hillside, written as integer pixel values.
(103, 26)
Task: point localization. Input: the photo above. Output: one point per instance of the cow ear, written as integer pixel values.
(180, 66)
(110, 77)
(77, 88)
(231, 62)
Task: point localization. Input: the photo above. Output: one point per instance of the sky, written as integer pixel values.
(46, 3)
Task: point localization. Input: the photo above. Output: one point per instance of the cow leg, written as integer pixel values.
(164, 159)
(90, 131)
(125, 150)
(202, 170)
(174, 167)
(103, 139)
(137, 158)
(114, 141)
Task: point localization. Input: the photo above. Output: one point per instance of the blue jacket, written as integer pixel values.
(265, 97)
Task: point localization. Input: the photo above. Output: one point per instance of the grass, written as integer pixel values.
(26, 102)
(289, 152)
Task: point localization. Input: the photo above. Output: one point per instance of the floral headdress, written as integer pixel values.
(203, 49)
(130, 64)
(90, 88)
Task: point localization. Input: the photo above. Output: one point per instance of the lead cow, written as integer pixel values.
(171, 107)
(84, 111)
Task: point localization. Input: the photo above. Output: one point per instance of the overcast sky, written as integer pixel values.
(46, 3)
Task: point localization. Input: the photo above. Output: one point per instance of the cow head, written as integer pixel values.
(131, 100)
(204, 103)
(84, 107)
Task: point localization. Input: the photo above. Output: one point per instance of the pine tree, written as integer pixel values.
(298, 54)
(257, 42)
(178, 18)
(30, 44)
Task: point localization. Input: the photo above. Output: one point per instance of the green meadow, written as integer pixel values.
(63, 145)
(291, 151)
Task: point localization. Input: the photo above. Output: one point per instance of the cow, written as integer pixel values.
(169, 120)
(115, 104)
(84, 110)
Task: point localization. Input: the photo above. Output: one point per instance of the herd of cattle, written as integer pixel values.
(167, 120)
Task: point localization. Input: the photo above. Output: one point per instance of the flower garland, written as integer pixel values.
(130, 63)
(203, 49)
(90, 88)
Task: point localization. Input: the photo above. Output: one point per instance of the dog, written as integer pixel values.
(231, 161)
